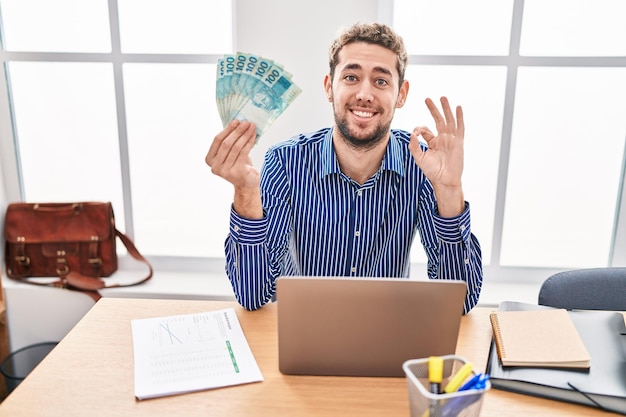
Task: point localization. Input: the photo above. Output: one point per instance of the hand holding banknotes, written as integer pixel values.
(229, 158)
(251, 92)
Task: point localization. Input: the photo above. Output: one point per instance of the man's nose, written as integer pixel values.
(365, 92)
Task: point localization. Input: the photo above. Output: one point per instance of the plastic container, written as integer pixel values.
(20, 363)
(423, 403)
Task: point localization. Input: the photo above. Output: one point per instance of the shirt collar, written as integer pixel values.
(392, 161)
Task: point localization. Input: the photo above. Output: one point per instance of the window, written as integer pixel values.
(114, 101)
(543, 88)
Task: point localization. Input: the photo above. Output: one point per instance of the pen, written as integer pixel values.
(458, 379)
(435, 376)
(479, 381)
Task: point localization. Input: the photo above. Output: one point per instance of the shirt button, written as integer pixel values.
(466, 261)
(357, 233)
(236, 228)
(359, 193)
(462, 228)
(353, 269)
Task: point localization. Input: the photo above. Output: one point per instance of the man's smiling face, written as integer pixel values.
(365, 92)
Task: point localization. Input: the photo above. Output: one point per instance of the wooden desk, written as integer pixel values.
(90, 373)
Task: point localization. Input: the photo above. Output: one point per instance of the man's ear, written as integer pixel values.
(328, 87)
(402, 94)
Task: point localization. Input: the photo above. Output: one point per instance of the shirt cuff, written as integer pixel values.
(454, 229)
(247, 231)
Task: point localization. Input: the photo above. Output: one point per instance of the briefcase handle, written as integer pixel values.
(55, 207)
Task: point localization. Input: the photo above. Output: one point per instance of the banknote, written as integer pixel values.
(253, 88)
(226, 67)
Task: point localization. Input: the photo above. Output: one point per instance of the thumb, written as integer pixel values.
(416, 149)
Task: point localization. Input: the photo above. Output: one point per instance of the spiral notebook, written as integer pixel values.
(541, 338)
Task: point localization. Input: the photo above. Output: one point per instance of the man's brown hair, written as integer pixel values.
(374, 33)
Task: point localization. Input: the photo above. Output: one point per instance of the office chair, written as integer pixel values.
(586, 289)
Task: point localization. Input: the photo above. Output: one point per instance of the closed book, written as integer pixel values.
(602, 386)
(541, 338)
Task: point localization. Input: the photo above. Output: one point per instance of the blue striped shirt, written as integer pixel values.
(319, 222)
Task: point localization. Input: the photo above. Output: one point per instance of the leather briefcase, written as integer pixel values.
(74, 242)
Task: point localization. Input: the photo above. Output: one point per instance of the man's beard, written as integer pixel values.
(357, 142)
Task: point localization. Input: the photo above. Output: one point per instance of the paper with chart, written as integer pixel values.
(253, 88)
(191, 352)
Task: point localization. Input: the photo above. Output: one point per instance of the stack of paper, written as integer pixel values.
(193, 352)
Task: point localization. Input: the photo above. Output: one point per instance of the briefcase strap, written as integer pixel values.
(91, 285)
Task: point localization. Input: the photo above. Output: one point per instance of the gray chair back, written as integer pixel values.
(586, 289)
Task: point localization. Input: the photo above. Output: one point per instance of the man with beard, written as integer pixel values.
(348, 200)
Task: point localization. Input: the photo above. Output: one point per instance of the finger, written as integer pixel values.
(460, 123)
(450, 120)
(424, 132)
(241, 147)
(230, 142)
(219, 140)
(434, 111)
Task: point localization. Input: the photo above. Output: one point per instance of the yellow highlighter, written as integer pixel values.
(455, 383)
(435, 373)
(435, 376)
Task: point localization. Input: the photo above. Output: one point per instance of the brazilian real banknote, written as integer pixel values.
(253, 88)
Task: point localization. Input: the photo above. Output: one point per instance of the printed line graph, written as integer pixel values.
(165, 326)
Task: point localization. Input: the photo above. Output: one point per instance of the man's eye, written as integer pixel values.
(350, 78)
(380, 82)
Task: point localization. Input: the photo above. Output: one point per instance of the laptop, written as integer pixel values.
(364, 326)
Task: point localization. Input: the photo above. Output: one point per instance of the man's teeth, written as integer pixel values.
(363, 113)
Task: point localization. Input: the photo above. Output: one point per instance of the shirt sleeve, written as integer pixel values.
(255, 248)
(453, 251)
(245, 256)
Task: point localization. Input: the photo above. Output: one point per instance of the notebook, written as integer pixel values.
(540, 338)
(364, 326)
